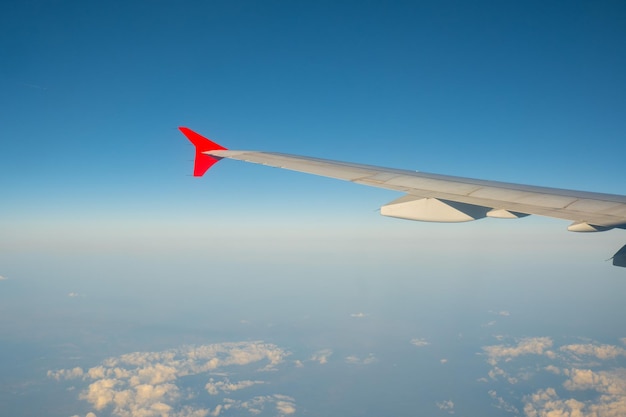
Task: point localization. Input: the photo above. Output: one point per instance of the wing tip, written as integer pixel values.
(202, 162)
(199, 141)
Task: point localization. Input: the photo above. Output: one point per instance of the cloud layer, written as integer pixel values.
(588, 388)
(147, 384)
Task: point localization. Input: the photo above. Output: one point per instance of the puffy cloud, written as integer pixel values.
(217, 411)
(599, 351)
(97, 372)
(590, 392)
(74, 294)
(146, 394)
(552, 369)
(191, 412)
(284, 405)
(605, 382)
(214, 387)
(322, 356)
(144, 384)
(197, 359)
(157, 374)
(352, 359)
(447, 405)
(100, 393)
(501, 356)
(66, 373)
(503, 313)
(499, 372)
(359, 315)
(419, 342)
(443, 361)
(546, 402)
(528, 346)
(3, 278)
(355, 360)
(502, 404)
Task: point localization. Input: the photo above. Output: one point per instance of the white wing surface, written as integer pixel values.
(443, 198)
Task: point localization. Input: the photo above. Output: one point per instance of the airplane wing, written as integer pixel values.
(442, 198)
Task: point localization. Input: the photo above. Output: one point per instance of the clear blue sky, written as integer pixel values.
(92, 93)
(528, 92)
(108, 244)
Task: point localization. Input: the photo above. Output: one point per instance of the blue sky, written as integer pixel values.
(530, 93)
(108, 245)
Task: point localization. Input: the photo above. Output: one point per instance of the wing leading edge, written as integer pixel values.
(441, 198)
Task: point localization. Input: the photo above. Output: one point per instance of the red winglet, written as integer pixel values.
(203, 161)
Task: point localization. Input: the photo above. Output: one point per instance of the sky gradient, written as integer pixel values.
(109, 247)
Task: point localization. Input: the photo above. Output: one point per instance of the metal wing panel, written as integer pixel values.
(415, 182)
(332, 169)
(580, 206)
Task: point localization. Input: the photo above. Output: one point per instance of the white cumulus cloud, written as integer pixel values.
(447, 405)
(553, 369)
(146, 383)
(215, 387)
(527, 346)
(283, 404)
(321, 356)
(599, 351)
(501, 404)
(587, 388)
(612, 403)
(419, 342)
(62, 374)
(503, 313)
(355, 360)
